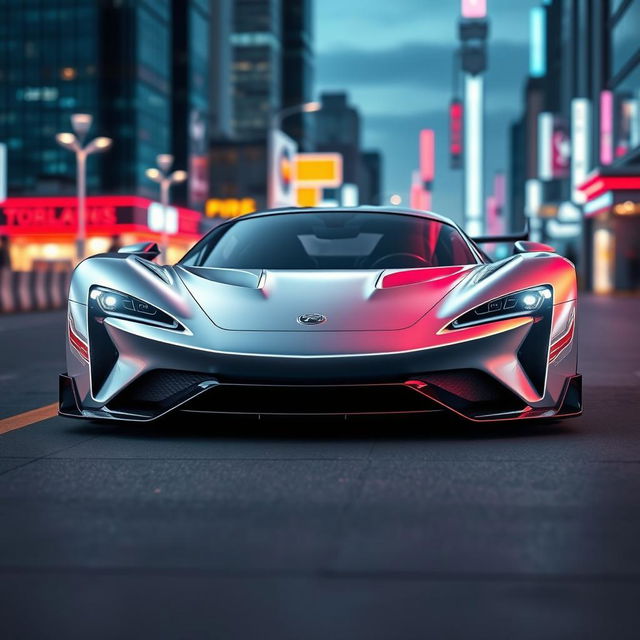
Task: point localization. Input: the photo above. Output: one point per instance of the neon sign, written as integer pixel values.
(105, 216)
(230, 207)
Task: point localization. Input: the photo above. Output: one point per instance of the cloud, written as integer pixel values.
(416, 64)
(367, 24)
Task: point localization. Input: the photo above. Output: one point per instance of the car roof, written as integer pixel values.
(361, 209)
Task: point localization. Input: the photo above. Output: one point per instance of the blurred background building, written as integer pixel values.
(575, 153)
(338, 129)
(209, 80)
(272, 73)
(202, 80)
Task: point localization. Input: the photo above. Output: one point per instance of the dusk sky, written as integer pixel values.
(395, 59)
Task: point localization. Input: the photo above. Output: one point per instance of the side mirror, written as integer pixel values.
(146, 250)
(524, 246)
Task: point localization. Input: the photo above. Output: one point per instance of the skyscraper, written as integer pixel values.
(256, 66)
(190, 100)
(271, 68)
(220, 51)
(108, 59)
(140, 67)
(297, 67)
(580, 139)
(338, 129)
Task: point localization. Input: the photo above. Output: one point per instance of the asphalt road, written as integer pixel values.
(323, 529)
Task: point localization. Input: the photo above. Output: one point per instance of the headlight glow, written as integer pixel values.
(120, 305)
(521, 303)
(108, 301)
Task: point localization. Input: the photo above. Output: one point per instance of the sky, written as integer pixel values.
(395, 60)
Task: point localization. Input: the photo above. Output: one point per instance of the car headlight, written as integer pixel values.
(522, 303)
(120, 305)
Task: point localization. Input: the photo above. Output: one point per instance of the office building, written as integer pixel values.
(580, 143)
(256, 66)
(112, 60)
(297, 68)
(372, 168)
(338, 129)
(220, 56)
(190, 100)
(271, 69)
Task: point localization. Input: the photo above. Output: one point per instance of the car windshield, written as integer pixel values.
(332, 240)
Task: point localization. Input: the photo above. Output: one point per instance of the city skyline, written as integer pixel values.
(397, 61)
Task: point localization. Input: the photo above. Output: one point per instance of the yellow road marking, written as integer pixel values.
(28, 417)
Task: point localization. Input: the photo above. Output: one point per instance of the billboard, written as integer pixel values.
(105, 215)
(606, 127)
(318, 170)
(560, 148)
(281, 170)
(554, 147)
(198, 184)
(580, 147)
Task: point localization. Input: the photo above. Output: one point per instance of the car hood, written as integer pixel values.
(349, 300)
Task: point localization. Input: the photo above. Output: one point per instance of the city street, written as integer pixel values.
(307, 528)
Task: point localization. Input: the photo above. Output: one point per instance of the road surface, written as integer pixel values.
(308, 528)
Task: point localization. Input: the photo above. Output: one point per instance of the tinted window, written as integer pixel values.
(331, 240)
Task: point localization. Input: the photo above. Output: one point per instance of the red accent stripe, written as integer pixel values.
(561, 343)
(76, 341)
(415, 276)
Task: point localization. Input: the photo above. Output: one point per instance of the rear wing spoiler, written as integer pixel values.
(508, 237)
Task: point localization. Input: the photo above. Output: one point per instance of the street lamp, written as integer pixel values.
(165, 179)
(283, 114)
(274, 125)
(81, 123)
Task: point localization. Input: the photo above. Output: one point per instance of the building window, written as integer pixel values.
(627, 114)
(625, 36)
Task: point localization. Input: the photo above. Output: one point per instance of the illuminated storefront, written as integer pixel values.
(43, 230)
(612, 215)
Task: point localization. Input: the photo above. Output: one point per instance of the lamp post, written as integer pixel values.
(283, 114)
(275, 124)
(161, 175)
(81, 123)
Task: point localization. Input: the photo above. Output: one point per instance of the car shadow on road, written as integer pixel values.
(307, 428)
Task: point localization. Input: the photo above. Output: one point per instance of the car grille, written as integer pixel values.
(470, 392)
(467, 391)
(158, 388)
(311, 399)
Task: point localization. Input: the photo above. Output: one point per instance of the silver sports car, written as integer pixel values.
(330, 312)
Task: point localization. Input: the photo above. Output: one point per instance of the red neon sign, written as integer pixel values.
(606, 127)
(596, 185)
(105, 216)
(455, 133)
(427, 155)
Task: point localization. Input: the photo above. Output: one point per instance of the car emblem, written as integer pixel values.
(311, 318)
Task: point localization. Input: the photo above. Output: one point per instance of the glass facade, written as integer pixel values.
(297, 67)
(109, 59)
(190, 115)
(256, 70)
(626, 78)
(625, 42)
(627, 114)
(151, 107)
(48, 69)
